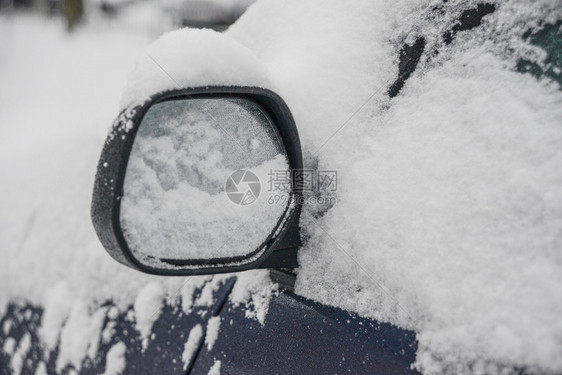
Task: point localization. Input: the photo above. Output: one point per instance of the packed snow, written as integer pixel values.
(448, 212)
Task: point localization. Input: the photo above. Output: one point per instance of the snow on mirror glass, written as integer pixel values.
(199, 181)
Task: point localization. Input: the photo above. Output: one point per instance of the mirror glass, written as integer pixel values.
(204, 181)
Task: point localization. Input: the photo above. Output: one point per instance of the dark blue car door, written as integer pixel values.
(298, 337)
(303, 337)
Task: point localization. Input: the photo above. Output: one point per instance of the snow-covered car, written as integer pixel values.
(366, 189)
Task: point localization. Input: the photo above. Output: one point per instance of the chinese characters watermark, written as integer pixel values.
(318, 186)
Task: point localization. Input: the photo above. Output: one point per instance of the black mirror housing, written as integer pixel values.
(280, 248)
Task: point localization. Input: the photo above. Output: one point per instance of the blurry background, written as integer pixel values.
(63, 65)
(155, 16)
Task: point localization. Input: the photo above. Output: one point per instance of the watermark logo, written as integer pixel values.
(243, 187)
(307, 180)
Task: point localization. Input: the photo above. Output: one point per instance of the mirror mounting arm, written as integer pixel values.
(284, 251)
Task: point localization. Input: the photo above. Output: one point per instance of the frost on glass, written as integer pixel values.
(175, 203)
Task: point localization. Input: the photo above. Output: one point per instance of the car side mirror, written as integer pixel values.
(186, 183)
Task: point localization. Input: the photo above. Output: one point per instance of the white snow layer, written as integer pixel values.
(253, 289)
(9, 345)
(215, 369)
(191, 345)
(115, 361)
(41, 369)
(192, 58)
(17, 357)
(80, 336)
(213, 327)
(449, 209)
(147, 307)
